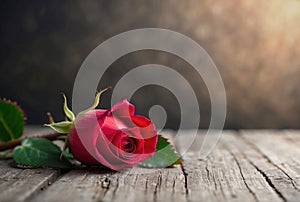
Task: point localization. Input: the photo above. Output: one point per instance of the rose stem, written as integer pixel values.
(11, 144)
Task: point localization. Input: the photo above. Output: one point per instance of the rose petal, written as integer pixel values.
(136, 134)
(80, 134)
(111, 124)
(148, 132)
(104, 136)
(123, 109)
(108, 158)
(140, 121)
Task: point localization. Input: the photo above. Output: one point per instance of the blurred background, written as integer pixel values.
(255, 45)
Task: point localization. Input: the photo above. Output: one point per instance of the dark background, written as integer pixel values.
(255, 45)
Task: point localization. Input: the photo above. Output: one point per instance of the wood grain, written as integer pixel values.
(226, 176)
(22, 184)
(251, 165)
(281, 161)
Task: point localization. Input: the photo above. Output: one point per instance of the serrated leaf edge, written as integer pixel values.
(172, 146)
(18, 107)
(14, 103)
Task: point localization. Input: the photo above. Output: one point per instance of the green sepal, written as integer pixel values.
(69, 114)
(96, 102)
(68, 154)
(60, 127)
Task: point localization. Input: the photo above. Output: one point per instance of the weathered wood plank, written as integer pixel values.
(148, 185)
(77, 185)
(33, 130)
(137, 184)
(22, 184)
(274, 159)
(282, 153)
(251, 166)
(292, 136)
(253, 179)
(224, 176)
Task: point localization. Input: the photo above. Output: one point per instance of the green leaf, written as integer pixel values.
(164, 155)
(60, 127)
(11, 121)
(39, 152)
(67, 111)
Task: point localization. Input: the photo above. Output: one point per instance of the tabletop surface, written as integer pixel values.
(249, 165)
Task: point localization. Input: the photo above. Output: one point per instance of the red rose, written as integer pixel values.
(116, 138)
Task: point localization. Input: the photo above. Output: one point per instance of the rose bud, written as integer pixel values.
(115, 138)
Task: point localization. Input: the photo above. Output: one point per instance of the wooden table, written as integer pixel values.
(251, 165)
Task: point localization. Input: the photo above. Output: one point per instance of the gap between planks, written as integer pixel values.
(242, 167)
(283, 172)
